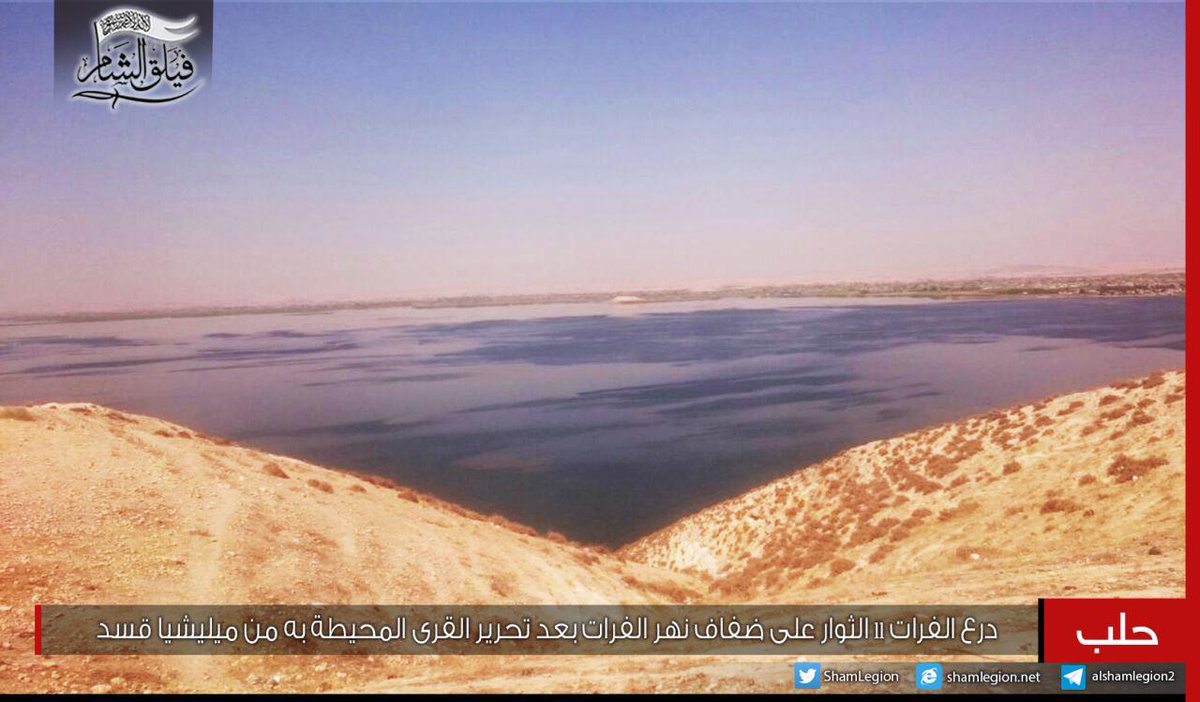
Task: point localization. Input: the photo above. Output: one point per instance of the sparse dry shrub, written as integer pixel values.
(804, 548)
(1173, 397)
(880, 553)
(357, 488)
(376, 480)
(959, 481)
(966, 449)
(1125, 385)
(771, 578)
(1010, 468)
(18, 414)
(959, 510)
(1075, 404)
(503, 585)
(163, 432)
(1154, 380)
(1012, 510)
(586, 557)
(908, 479)
(1116, 412)
(840, 565)
(870, 532)
(82, 410)
(1124, 468)
(322, 541)
(1043, 421)
(408, 494)
(502, 521)
(965, 553)
(672, 592)
(1139, 418)
(1106, 400)
(1059, 504)
(319, 485)
(736, 587)
(920, 513)
(1086, 479)
(1146, 402)
(273, 469)
(940, 466)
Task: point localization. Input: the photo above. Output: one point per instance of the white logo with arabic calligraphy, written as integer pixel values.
(139, 57)
(1150, 638)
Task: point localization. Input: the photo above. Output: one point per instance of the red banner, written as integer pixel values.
(1114, 630)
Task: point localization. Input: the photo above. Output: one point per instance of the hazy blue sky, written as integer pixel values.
(372, 150)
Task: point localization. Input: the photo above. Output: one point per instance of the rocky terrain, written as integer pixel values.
(1078, 494)
(1075, 495)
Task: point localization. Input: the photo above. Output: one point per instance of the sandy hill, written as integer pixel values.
(95, 498)
(102, 506)
(1081, 494)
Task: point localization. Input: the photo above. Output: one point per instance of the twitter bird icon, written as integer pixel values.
(807, 675)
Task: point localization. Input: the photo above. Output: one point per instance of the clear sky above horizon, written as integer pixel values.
(376, 150)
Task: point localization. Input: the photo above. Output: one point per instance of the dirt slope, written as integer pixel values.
(102, 506)
(1082, 494)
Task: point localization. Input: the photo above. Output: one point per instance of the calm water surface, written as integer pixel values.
(602, 422)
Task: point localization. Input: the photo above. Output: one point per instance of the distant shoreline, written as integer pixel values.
(1133, 284)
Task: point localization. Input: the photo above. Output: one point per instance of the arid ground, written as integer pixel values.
(1081, 494)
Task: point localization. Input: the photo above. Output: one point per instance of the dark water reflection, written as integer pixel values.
(601, 422)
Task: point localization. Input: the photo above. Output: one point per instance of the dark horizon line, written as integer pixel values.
(1166, 281)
